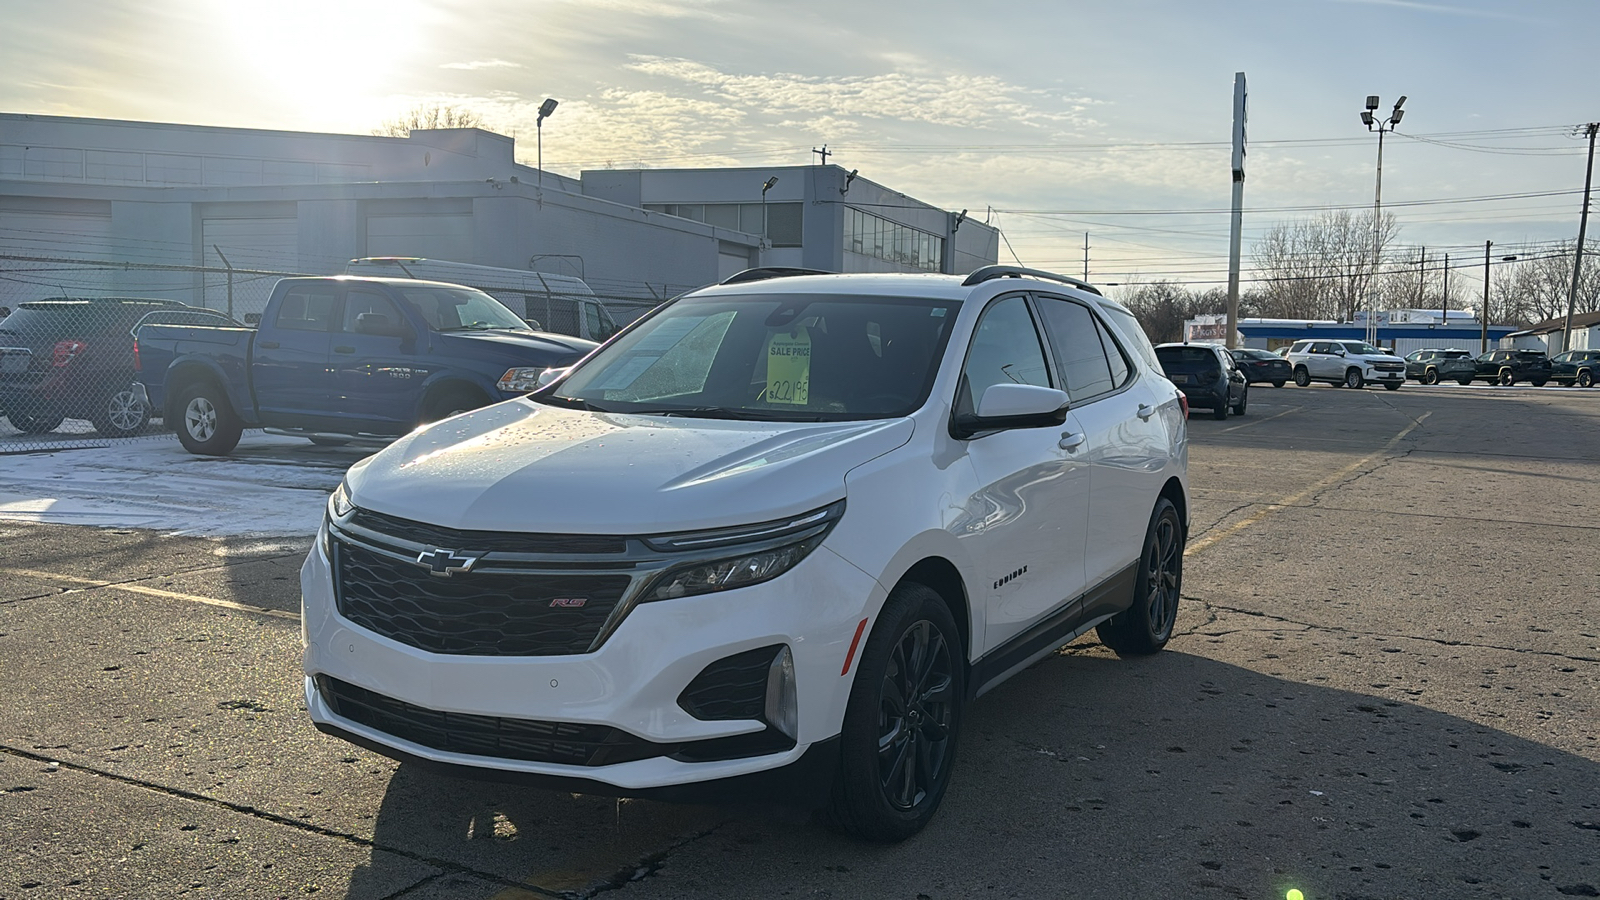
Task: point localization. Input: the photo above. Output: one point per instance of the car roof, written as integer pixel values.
(930, 285)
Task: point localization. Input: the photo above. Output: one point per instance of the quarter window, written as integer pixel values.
(1081, 360)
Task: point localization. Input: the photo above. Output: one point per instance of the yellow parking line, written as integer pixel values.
(1292, 499)
(91, 584)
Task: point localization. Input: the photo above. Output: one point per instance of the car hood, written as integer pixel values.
(523, 466)
(561, 349)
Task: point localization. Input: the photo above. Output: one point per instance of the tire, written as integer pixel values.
(450, 402)
(1391, 385)
(40, 424)
(1353, 379)
(1585, 378)
(1539, 382)
(1302, 378)
(206, 423)
(1464, 382)
(1279, 383)
(120, 415)
(1507, 378)
(875, 796)
(1244, 400)
(1430, 377)
(1146, 626)
(329, 442)
(1220, 412)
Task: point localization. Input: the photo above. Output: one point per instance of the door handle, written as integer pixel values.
(344, 349)
(1070, 441)
(267, 345)
(1146, 410)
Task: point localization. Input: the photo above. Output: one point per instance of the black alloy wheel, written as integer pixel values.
(1464, 382)
(1585, 378)
(1146, 626)
(35, 424)
(1278, 382)
(1430, 377)
(1507, 378)
(898, 742)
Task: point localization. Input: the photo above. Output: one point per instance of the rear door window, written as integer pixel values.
(306, 308)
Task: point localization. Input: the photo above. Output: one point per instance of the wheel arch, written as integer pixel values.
(942, 577)
(445, 384)
(1173, 490)
(187, 372)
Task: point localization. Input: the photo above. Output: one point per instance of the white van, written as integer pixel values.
(559, 303)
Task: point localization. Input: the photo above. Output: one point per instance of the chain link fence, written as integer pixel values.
(68, 355)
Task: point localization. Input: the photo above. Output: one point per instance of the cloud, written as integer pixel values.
(482, 64)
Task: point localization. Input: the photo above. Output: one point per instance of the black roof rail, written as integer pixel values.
(989, 273)
(765, 272)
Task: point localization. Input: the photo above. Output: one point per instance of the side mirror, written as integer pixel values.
(549, 375)
(1013, 406)
(534, 324)
(252, 318)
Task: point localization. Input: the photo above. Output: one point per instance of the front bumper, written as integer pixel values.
(630, 683)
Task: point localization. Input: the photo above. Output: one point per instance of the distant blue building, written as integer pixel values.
(1399, 330)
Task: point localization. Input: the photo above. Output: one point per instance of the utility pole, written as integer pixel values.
(1444, 305)
(1483, 340)
(1422, 274)
(1583, 224)
(1240, 108)
(824, 153)
(1086, 256)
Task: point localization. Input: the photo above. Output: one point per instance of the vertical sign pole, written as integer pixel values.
(1239, 109)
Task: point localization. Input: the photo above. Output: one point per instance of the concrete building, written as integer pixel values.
(167, 210)
(1547, 335)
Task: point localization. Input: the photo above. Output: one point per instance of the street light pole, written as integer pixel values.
(1483, 313)
(1369, 119)
(765, 186)
(545, 110)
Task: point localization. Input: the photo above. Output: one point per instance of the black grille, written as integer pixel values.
(492, 736)
(486, 541)
(476, 613)
(734, 687)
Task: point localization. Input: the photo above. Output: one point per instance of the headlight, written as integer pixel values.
(522, 380)
(727, 574)
(339, 504)
(745, 554)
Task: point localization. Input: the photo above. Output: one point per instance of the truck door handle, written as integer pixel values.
(344, 349)
(1146, 410)
(1070, 441)
(267, 345)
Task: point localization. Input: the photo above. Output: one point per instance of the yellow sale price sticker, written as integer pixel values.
(789, 367)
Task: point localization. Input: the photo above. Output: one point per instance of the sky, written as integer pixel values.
(1046, 119)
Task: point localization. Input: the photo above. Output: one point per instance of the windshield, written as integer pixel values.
(460, 309)
(1362, 348)
(803, 357)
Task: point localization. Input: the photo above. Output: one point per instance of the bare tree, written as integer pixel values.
(1319, 268)
(428, 116)
(1535, 288)
(1163, 306)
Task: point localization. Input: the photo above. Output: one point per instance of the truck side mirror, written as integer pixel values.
(252, 318)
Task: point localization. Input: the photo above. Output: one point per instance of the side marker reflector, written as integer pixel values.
(854, 642)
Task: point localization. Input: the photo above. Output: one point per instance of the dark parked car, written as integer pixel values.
(1207, 375)
(74, 359)
(1575, 367)
(1434, 366)
(1263, 365)
(1512, 366)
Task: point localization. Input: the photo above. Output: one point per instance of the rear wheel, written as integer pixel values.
(121, 415)
(207, 425)
(40, 424)
(1220, 412)
(1353, 379)
(1146, 626)
(1463, 381)
(901, 722)
(1302, 377)
(1278, 383)
(1585, 378)
(1430, 377)
(1244, 398)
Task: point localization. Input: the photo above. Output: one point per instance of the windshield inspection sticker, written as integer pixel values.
(789, 367)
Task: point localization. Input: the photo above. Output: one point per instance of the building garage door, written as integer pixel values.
(267, 244)
(67, 236)
(434, 237)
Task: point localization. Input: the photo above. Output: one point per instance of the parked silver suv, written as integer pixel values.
(1345, 363)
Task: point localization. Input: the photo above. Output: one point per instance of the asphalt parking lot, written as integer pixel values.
(1386, 685)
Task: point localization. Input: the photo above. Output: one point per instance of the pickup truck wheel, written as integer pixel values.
(207, 425)
(121, 415)
(449, 403)
(1353, 379)
(41, 424)
(1585, 378)
(1302, 378)
(1430, 377)
(901, 721)
(1507, 378)
(1146, 626)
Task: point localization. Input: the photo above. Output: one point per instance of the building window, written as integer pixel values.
(784, 220)
(880, 238)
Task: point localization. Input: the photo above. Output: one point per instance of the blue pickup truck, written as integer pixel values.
(341, 357)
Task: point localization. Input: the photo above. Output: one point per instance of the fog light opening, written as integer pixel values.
(782, 709)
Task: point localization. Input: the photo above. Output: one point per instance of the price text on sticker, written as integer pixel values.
(789, 367)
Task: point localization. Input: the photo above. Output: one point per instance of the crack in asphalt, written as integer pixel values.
(1444, 642)
(647, 866)
(448, 866)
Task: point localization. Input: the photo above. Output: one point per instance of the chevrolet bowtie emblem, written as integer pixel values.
(445, 563)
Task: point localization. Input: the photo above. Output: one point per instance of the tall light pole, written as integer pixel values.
(545, 110)
(765, 186)
(1483, 340)
(1583, 224)
(1371, 120)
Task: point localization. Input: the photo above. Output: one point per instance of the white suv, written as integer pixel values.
(1348, 363)
(781, 530)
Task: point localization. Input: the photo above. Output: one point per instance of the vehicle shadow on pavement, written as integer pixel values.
(1170, 775)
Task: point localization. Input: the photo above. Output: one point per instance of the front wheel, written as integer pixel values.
(1244, 398)
(207, 425)
(1353, 379)
(1585, 378)
(901, 722)
(1464, 382)
(1278, 383)
(1539, 382)
(121, 415)
(1146, 626)
(1391, 385)
(1430, 377)
(1302, 378)
(1507, 378)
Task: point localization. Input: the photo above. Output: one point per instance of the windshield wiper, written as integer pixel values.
(568, 402)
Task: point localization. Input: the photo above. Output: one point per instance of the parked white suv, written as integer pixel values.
(781, 530)
(1351, 364)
